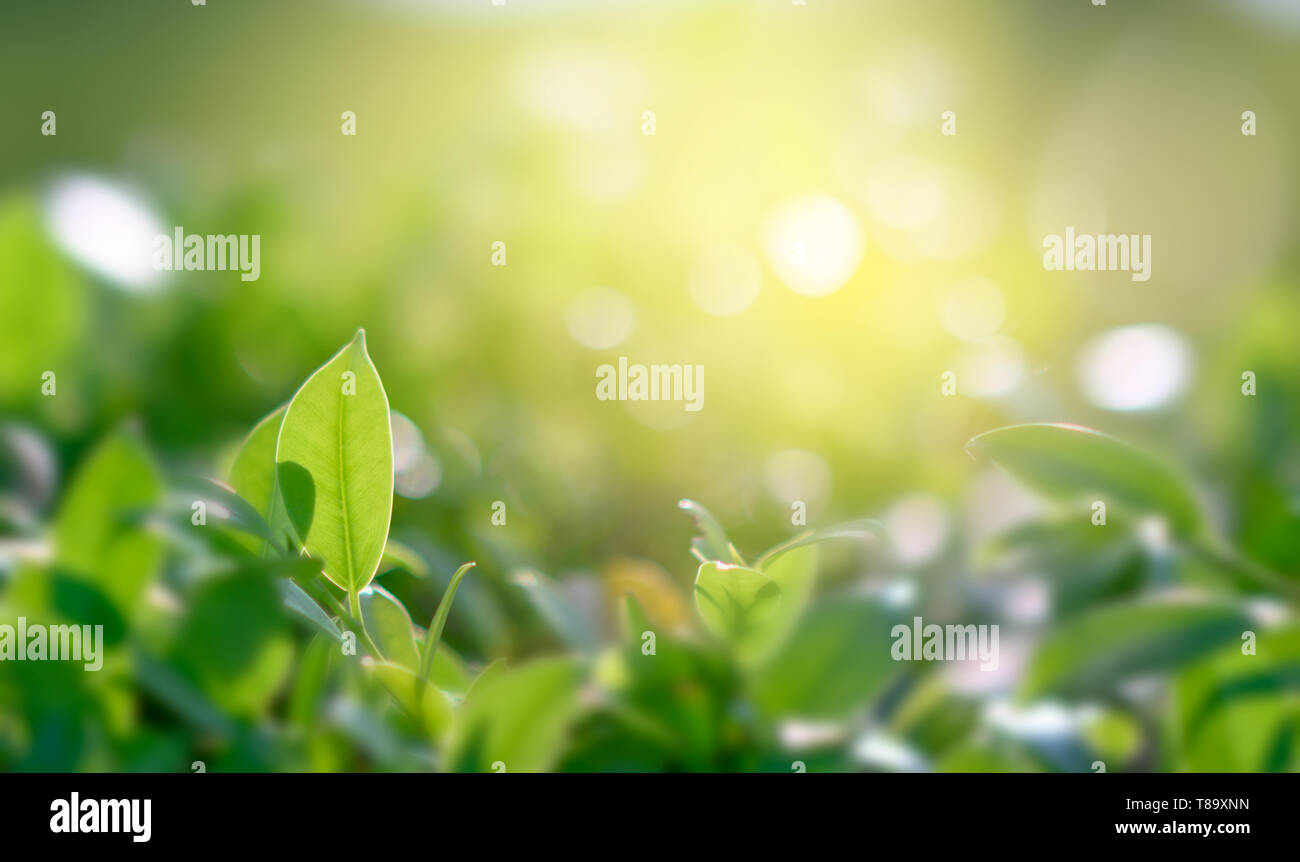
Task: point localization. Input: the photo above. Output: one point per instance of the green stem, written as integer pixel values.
(358, 620)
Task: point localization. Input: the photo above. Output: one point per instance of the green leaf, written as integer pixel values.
(795, 572)
(390, 625)
(1076, 464)
(712, 543)
(735, 602)
(310, 680)
(424, 703)
(434, 634)
(297, 600)
(404, 557)
(252, 474)
(633, 619)
(1095, 652)
(516, 717)
(792, 567)
(334, 459)
(177, 694)
(96, 533)
(1273, 671)
(234, 642)
(448, 671)
(834, 662)
(43, 309)
(553, 606)
(223, 506)
(254, 477)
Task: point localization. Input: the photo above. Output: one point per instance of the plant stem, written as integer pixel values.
(354, 605)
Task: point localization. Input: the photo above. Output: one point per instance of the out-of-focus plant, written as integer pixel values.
(1191, 623)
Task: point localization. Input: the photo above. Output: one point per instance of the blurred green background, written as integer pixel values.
(796, 224)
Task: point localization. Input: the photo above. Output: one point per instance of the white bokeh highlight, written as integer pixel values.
(1134, 367)
(106, 228)
(814, 244)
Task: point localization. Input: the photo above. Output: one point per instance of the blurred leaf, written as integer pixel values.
(345, 442)
(233, 641)
(633, 619)
(41, 306)
(448, 671)
(223, 506)
(555, 608)
(986, 759)
(1113, 737)
(735, 603)
(794, 571)
(654, 589)
(96, 533)
(1232, 707)
(400, 556)
(1095, 652)
(297, 600)
(424, 703)
(309, 682)
(712, 543)
(516, 717)
(390, 625)
(83, 604)
(1076, 464)
(836, 660)
(175, 692)
(1087, 565)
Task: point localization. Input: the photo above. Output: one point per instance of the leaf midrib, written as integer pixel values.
(343, 493)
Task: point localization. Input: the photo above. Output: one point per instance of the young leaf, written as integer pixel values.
(334, 459)
(434, 633)
(795, 572)
(712, 543)
(1072, 463)
(389, 624)
(735, 602)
